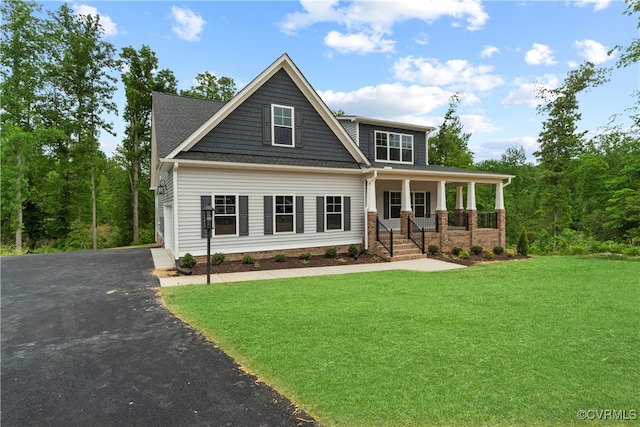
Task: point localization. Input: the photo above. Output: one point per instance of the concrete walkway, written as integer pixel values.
(162, 259)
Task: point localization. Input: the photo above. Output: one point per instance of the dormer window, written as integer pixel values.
(283, 125)
(394, 147)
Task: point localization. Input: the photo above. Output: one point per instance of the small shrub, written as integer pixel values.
(248, 259)
(463, 255)
(489, 255)
(376, 258)
(353, 250)
(188, 261)
(433, 249)
(305, 256)
(217, 258)
(305, 261)
(280, 258)
(510, 252)
(498, 250)
(256, 265)
(342, 260)
(476, 250)
(456, 251)
(523, 243)
(330, 253)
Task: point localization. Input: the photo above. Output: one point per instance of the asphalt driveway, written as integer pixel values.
(86, 341)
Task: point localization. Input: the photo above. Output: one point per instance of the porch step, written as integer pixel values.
(403, 249)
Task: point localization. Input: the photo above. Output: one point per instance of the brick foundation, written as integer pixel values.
(404, 229)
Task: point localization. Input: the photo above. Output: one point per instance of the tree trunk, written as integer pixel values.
(94, 228)
(134, 187)
(19, 199)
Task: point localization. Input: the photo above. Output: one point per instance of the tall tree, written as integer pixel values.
(631, 54)
(21, 58)
(211, 87)
(140, 79)
(561, 142)
(450, 146)
(83, 87)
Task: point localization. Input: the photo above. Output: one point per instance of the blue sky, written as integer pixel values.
(395, 60)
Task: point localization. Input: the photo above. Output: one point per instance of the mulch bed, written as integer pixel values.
(322, 261)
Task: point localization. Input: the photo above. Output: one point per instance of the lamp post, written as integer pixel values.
(208, 224)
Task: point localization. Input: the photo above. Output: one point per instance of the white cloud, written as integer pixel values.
(393, 101)
(109, 28)
(525, 91)
(477, 124)
(597, 4)
(359, 43)
(372, 20)
(494, 149)
(539, 54)
(593, 51)
(488, 51)
(188, 25)
(458, 74)
(422, 39)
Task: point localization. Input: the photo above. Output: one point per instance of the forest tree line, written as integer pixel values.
(61, 192)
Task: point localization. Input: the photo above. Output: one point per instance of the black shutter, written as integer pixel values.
(244, 216)
(298, 133)
(268, 215)
(347, 213)
(320, 214)
(299, 214)
(266, 125)
(427, 202)
(204, 201)
(385, 207)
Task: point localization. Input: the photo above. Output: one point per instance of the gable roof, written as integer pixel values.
(386, 123)
(283, 63)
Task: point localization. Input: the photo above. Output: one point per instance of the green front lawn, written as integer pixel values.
(512, 343)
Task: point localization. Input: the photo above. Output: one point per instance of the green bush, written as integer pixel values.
(489, 255)
(456, 251)
(498, 250)
(217, 258)
(510, 252)
(523, 243)
(353, 250)
(188, 261)
(280, 257)
(305, 256)
(330, 253)
(476, 249)
(248, 259)
(463, 255)
(433, 249)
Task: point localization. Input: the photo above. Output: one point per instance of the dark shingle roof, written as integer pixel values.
(176, 117)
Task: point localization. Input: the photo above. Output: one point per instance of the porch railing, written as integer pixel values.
(415, 234)
(487, 220)
(384, 236)
(429, 223)
(458, 221)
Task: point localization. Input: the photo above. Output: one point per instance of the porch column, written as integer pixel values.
(501, 215)
(442, 217)
(405, 208)
(472, 213)
(499, 196)
(471, 196)
(459, 211)
(372, 215)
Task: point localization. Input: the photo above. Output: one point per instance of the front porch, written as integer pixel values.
(405, 218)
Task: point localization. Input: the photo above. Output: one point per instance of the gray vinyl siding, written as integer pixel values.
(242, 131)
(196, 182)
(352, 129)
(367, 144)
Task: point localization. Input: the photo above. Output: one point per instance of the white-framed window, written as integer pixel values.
(282, 125)
(420, 204)
(394, 147)
(395, 204)
(226, 214)
(333, 209)
(284, 214)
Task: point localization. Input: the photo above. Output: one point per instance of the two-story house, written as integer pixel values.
(285, 175)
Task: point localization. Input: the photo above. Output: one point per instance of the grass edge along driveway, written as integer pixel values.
(521, 343)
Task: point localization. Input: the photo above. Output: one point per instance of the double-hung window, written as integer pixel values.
(394, 147)
(226, 215)
(333, 212)
(284, 214)
(283, 125)
(420, 204)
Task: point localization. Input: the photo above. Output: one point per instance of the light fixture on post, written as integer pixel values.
(208, 224)
(161, 188)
